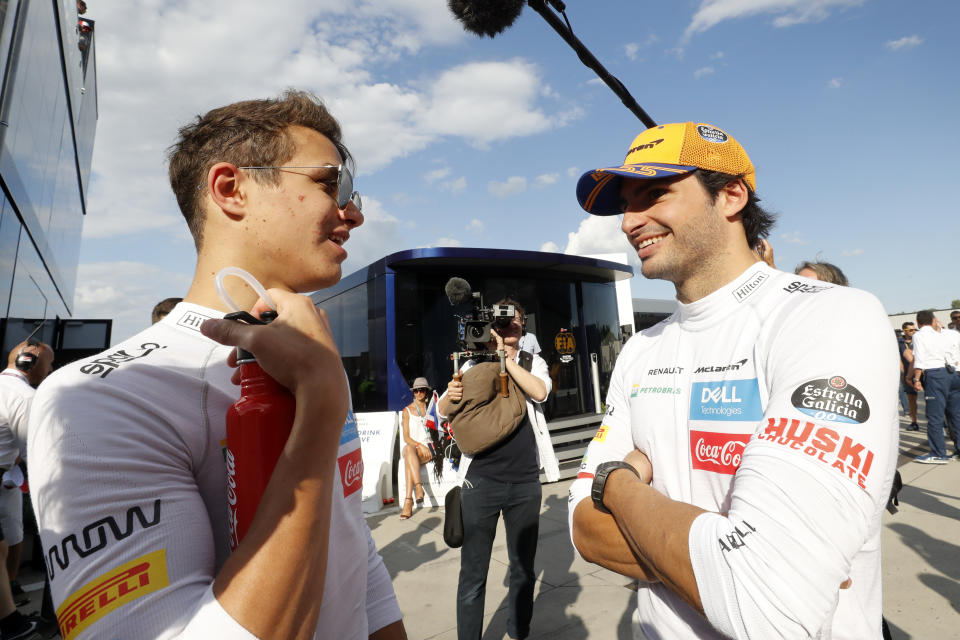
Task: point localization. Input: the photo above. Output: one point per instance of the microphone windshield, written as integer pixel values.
(457, 290)
(486, 17)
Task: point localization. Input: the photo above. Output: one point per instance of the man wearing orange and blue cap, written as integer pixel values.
(750, 439)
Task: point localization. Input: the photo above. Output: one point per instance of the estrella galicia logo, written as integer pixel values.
(726, 400)
(349, 429)
(832, 399)
(711, 134)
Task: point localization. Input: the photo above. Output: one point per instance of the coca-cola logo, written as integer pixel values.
(232, 512)
(717, 452)
(351, 472)
(726, 454)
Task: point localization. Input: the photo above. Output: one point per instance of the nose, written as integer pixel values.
(632, 222)
(351, 215)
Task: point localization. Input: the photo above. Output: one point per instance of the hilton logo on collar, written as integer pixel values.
(740, 293)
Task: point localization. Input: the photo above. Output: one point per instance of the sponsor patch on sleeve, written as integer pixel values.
(601, 433)
(111, 591)
(832, 399)
(583, 473)
(837, 451)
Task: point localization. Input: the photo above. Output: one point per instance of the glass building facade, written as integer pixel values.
(48, 117)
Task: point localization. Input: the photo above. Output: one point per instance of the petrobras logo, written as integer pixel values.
(828, 446)
(351, 472)
(232, 511)
(717, 452)
(350, 431)
(726, 400)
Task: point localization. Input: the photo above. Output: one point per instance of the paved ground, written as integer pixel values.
(576, 600)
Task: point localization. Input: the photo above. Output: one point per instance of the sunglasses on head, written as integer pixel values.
(344, 184)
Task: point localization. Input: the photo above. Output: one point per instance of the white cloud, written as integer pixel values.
(599, 234)
(573, 172)
(545, 180)
(595, 81)
(436, 174)
(793, 237)
(512, 186)
(486, 101)
(550, 247)
(703, 71)
(334, 48)
(476, 226)
(717, 56)
(632, 50)
(454, 186)
(835, 83)
(126, 292)
(852, 252)
(444, 242)
(907, 42)
(787, 12)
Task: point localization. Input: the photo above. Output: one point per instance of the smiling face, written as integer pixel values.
(298, 228)
(675, 228)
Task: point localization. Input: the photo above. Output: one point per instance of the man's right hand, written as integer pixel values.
(297, 349)
(455, 390)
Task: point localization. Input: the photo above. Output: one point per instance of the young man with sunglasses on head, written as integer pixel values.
(131, 494)
(750, 439)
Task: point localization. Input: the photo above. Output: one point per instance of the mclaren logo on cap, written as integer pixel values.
(711, 134)
(641, 147)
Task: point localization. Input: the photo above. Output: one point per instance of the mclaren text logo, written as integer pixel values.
(642, 147)
(718, 368)
(97, 535)
(104, 365)
(828, 446)
(717, 452)
(111, 591)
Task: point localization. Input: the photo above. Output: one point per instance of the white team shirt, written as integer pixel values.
(15, 396)
(772, 400)
(930, 348)
(129, 486)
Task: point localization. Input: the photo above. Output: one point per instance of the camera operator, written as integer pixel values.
(504, 479)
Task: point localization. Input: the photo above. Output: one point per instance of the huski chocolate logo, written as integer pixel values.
(832, 399)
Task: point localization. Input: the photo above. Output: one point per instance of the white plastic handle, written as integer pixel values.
(246, 277)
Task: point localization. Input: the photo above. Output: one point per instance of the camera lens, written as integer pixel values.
(502, 322)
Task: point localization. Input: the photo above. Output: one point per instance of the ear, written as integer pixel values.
(733, 197)
(226, 186)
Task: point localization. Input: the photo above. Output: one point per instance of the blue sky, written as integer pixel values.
(846, 107)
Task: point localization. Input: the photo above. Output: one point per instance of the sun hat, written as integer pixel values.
(420, 383)
(664, 151)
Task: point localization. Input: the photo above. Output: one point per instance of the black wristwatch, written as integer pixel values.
(604, 469)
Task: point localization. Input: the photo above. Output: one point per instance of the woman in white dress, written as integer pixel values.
(417, 449)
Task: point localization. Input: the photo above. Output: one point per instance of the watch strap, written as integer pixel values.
(600, 475)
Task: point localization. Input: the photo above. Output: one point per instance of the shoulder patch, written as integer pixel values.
(832, 399)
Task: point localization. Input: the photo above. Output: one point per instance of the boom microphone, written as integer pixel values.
(458, 291)
(486, 17)
(490, 17)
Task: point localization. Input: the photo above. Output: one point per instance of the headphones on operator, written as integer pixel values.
(27, 360)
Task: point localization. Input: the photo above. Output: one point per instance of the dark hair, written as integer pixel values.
(924, 317)
(756, 220)
(825, 271)
(252, 133)
(162, 308)
(906, 324)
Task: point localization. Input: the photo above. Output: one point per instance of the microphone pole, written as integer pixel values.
(540, 6)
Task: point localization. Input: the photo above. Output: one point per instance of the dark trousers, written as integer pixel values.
(940, 392)
(482, 502)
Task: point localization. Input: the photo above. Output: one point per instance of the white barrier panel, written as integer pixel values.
(377, 432)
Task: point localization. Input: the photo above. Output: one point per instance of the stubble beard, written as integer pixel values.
(694, 251)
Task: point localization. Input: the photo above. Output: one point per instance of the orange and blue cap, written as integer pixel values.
(661, 152)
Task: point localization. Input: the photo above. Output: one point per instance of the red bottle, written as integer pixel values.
(258, 425)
